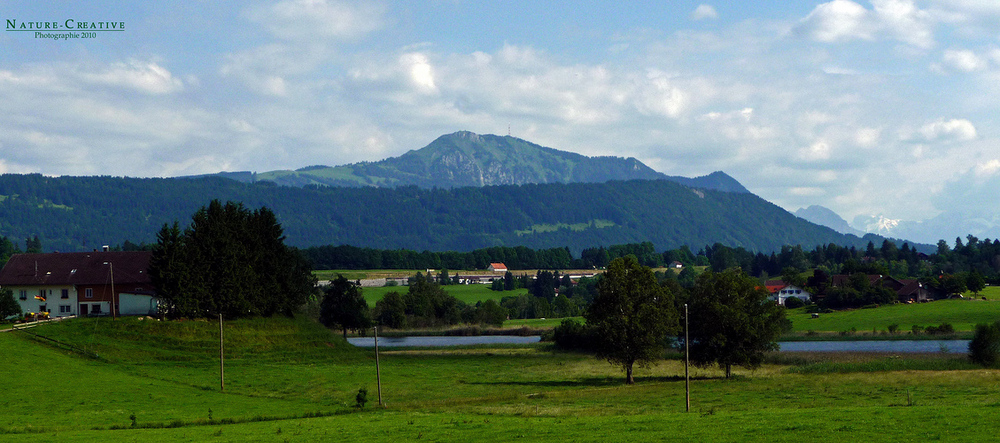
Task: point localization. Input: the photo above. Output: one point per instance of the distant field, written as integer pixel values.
(962, 314)
(470, 294)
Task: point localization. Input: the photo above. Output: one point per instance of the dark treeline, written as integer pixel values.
(970, 256)
(84, 213)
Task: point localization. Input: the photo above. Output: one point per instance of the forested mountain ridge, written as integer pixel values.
(466, 159)
(82, 213)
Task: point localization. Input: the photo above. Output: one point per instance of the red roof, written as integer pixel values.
(76, 268)
(498, 266)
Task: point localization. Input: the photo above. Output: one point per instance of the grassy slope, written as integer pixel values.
(285, 369)
(962, 314)
(470, 294)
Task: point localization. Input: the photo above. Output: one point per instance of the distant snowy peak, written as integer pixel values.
(876, 224)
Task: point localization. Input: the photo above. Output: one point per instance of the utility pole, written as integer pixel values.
(222, 366)
(378, 377)
(687, 354)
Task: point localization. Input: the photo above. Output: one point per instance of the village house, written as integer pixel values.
(497, 267)
(81, 283)
(780, 291)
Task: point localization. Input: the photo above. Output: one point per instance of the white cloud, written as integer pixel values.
(844, 20)
(956, 130)
(839, 20)
(987, 168)
(964, 60)
(704, 11)
(147, 77)
(420, 70)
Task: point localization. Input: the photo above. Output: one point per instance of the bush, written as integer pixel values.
(984, 348)
(794, 302)
(943, 329)
(571, 335)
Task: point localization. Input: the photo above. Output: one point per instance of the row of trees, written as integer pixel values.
(230, 261)
(425, 304)
(634, 316)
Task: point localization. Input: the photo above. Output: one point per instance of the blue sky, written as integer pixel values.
(866, 107)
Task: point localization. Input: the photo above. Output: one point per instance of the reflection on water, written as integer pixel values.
(949, 346)
(369, 342)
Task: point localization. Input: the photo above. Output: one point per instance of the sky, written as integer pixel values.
(865, 107)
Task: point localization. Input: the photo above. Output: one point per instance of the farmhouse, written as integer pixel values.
(780, 291)
(81, 283)
(497, 267)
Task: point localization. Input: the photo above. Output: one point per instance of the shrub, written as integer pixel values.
(571, 335)
(794, 302)
(984, 348)
(893, 328)
(361, 398)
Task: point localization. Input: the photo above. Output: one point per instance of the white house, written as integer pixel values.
(81, 283)
(781, 292)
(497, 267)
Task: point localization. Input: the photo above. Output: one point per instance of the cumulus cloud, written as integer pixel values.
(703, 12)
(836, 21)
(844, 20)
(954, 130)
(146, 77)
(964, 60)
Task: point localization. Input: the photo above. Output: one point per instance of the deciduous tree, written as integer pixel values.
(632, 314)
(344, 307)
(732, 322)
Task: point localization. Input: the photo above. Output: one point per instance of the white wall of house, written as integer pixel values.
(137, 304)
(791, 291)
(54, 303)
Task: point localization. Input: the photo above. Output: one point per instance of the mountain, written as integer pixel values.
(467, 159)
(83, 213)
(825, 217)
(947, 226)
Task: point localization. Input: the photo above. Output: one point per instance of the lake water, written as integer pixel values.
(369, 342)
(902, 346)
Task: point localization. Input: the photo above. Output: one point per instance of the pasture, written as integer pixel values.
(290, 380)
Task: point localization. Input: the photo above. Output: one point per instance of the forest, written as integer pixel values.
(84, 213)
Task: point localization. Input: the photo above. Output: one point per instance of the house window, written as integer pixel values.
(89, 293)
(95, 309)
(43, 308)
(41, 293)
(24, 294)
(65, 309)
(65, 293)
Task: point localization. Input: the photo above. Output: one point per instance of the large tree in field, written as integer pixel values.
(8, 306)
(732, 322)
(230, 261)
(344, 307)
(632, 314)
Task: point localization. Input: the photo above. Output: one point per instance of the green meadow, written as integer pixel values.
(470, 294)
(292, 380)
(963, 315)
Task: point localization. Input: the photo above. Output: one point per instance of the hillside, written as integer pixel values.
(81, 213)
(468, 159)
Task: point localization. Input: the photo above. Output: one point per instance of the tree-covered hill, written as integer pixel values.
(81, 213)
(467, 159)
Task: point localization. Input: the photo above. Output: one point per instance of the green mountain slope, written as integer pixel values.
(468, 159)
(81, 213)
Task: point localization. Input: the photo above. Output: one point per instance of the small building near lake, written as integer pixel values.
(82, 283)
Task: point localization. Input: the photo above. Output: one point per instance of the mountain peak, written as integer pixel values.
(464, 158)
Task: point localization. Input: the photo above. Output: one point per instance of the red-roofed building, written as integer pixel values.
(80, 283)
(780, 291)
(497, 267)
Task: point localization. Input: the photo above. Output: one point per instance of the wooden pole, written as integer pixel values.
(687, 354)
(378, 376)
(114, 304)
(222, 365)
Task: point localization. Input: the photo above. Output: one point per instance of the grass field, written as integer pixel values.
(962, 314)
(470, 294)
(289, 380)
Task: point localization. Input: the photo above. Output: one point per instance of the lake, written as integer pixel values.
(902, 346)
(369, 342)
